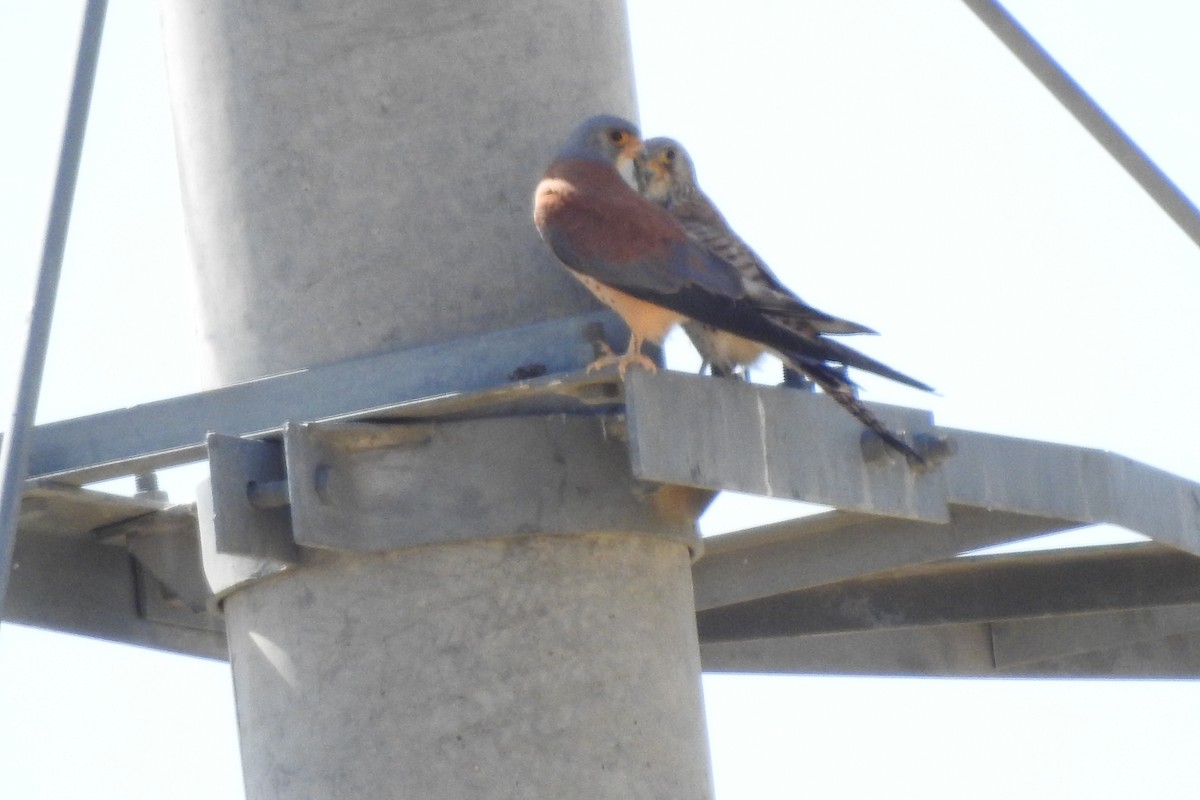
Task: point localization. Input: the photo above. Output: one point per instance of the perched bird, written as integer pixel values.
(665, 174)
(639, 260)
(591, 219)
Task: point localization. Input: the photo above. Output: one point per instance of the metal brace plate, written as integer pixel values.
(777, 442)
(372, 487)
(239, 542)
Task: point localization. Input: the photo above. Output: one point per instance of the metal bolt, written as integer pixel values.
(146, 487)
(934, 448)
(796, 380)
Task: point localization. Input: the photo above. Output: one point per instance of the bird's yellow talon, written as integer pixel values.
(623, 362)
(604, 361)
(640, 359)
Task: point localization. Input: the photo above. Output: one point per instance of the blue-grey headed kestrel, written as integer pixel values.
(639, 260)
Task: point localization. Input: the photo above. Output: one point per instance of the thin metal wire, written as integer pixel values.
(1090, 115)
(14, 449)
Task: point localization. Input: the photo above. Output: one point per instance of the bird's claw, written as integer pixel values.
(641, 359)
(623, 362)
(606, 356)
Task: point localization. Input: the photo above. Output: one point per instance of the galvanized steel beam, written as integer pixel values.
(1137, 642)
(721, 434)
(944, 651)
(837, 546)
(977, 589)
(959, 651)
(777, 442)
(169, 432)
(1074, 483)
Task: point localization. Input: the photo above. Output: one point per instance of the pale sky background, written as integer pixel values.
(895, 165)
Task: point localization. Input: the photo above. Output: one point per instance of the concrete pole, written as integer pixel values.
(358, 177)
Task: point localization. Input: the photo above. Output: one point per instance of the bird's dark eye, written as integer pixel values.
(669, 154)
(617, 137)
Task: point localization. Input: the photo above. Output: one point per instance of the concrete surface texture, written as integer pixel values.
(359, 176)
(523, 667)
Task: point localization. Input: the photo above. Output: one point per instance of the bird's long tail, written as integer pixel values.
(820, 348)
(841, 390)
(830, 350)
(808, 318)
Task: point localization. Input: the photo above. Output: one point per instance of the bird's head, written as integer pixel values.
(664, 172)
(603, 138)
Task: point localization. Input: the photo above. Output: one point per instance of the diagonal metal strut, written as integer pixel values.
(1101, 126)
(14, 450)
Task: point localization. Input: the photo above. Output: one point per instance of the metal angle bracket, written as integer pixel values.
(166, 546)
(779, 442)
(367, 487)
(160, 603)
(242, 536)
(371, 487)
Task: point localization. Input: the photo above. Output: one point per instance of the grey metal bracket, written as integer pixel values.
(801, 446)
(776, 442)
(167, 547)
(240, 542)
(252, 518)
(120, 568)
(372, 487)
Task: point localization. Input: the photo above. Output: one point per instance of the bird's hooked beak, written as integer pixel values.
(633, 149)
(628, 159)
(656, 165)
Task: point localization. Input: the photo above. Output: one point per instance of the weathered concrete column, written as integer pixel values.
(358, 177)
(528, 667)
